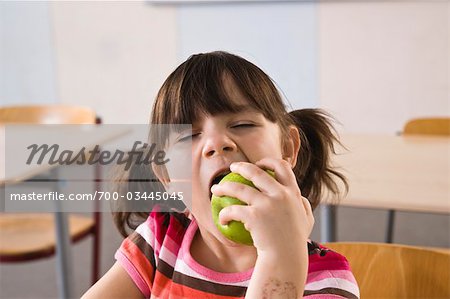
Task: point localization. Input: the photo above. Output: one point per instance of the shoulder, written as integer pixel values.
(154, 241)
(159, 230)
(162, 225)
(329, 274)
(323, 258)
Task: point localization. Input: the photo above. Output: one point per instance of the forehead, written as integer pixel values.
(234, 93)
(236, 101)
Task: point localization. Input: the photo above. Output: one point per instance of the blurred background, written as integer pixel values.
(371, 64)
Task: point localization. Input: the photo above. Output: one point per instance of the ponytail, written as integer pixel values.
(313, 170)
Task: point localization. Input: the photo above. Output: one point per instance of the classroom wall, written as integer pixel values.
(113, 56)
(381, 63)
(281, 38)
(27, 69)
(372, 64)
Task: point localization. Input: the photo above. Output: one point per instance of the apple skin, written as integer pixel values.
(233, 230)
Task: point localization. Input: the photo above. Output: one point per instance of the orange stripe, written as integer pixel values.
(140, 261)
(161, 286)
(181, 291)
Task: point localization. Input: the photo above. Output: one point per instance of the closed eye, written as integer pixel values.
(187, 137)
(243, 126)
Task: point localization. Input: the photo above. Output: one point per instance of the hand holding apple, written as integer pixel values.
(234, 230)
(276, 214)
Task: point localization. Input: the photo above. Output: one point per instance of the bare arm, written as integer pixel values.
(282, 264)
(279, 277)
(116, 283)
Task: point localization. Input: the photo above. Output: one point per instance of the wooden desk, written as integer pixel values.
(407, 173)
(75, 139)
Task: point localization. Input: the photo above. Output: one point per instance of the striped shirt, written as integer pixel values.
(157, 258)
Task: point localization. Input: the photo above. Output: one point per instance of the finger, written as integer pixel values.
(240, 191)
(234, 212)
(307, 205)
(260, 178)
(283, 171)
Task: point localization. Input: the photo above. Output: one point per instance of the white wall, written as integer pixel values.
(281, 38)
(372, 64)
(382, 63)
(113, 56)
(27, 65)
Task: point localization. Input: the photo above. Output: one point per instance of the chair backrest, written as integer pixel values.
(397, 271)
(428, 126)
(47, 114)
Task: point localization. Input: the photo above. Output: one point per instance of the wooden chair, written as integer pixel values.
(397, 271)
(47, 114)
(428, 126)
(25, 237)
(437, 126)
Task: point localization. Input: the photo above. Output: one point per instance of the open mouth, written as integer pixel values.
(216, 180)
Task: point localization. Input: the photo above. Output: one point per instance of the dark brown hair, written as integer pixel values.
(137, 178)
(197, 87)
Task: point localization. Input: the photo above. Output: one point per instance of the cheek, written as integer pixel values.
(269, 149)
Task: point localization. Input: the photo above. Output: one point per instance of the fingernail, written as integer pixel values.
(213, 187)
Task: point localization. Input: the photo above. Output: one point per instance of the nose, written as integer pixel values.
(218, 144)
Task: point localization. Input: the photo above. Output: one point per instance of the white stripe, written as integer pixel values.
(167, 256)
(183, 268)
(333, 282)
(145, 232)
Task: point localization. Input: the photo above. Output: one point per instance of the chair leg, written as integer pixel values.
(390, 226)
(96, 263)
(96, 250)
(97, 229)
(328, 223)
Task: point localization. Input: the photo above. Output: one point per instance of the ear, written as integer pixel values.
(162, 174)
(291, 146)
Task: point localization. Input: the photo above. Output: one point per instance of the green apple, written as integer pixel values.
(234, 230)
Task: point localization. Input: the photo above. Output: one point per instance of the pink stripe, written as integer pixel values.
(150, 223)
(343, 274)
(331, 261)
(327, 265)
(176, 231)
(202, 270)
(132, 271)
(170, 237)
(160, 230)
(323, 296)
(171, 245)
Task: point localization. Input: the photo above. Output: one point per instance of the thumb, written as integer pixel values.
(233, 212)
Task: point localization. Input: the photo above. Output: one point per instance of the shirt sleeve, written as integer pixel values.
(136, 255)
(329, 276)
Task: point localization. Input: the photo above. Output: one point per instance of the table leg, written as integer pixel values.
(64, 257)
(328, 223)
(390, 226)
(63, 250)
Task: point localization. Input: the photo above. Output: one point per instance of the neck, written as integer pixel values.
(215, 255)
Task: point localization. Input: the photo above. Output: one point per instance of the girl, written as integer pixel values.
(239, 124)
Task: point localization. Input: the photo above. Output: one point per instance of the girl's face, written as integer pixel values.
(218, 141)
